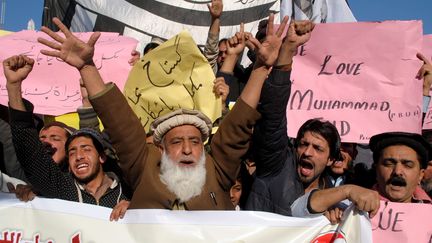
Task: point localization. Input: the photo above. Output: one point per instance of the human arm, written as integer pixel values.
(39, 167)
(16, 69)
(86, 113)
(231, 142)
(270, 138)
(364, 199)
(425, 73)
(122, 125)
(211, 49)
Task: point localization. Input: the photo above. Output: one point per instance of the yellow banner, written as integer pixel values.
(172, 76)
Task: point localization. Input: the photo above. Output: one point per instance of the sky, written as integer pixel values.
(18, 12)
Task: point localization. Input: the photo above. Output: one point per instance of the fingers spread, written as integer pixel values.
(62, 27)
(52, 34)
(48, 43)
(93, 39)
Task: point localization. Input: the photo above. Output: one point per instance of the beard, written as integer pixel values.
(89, 178)
(184, 182)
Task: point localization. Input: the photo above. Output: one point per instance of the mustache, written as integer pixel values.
(397, 181)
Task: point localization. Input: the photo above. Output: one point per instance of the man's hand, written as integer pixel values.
(23, 192)
(16, 69)
(299, 32)
(268, 51)
(236, 44)
(221, 89)
(135, 56)
(425, 73)
(119, 210)
(334, 215)
(70, 49)
(364, 199)
(215, 8)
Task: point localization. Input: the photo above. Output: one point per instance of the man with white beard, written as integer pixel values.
(185, 182)
(179, 135)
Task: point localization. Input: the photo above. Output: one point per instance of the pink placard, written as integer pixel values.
(361, 77)
(402, 222)
(53, 86)
(427, 52)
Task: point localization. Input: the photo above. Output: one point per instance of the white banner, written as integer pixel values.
(319, 11)
(53, 220)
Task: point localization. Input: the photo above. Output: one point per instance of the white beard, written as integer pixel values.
(184, 182)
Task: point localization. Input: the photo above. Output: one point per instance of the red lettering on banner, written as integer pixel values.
(10, 236)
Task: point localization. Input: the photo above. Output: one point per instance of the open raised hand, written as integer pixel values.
(70, 49)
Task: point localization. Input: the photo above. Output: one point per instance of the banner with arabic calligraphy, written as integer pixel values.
(157, 18)
(53, 86)
(53, 220)
(174, 75)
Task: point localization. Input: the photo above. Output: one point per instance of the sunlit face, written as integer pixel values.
(85, 162)
(313, 155)
(398, 173)
(183, 145)
(54, 139)
(235, 193)
(222, 53)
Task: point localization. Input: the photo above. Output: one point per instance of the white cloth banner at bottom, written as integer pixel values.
(52, 220)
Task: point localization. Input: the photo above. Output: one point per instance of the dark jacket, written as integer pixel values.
(43, 173)
(276, 185)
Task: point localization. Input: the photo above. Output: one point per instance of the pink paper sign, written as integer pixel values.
(402, 222)
(427, 52)
(53, 86)
(361, 77)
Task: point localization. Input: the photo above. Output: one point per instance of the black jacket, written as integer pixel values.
(276, 185)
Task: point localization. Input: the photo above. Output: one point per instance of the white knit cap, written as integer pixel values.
(180, 117)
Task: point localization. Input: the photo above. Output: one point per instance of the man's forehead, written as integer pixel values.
(400, 152)
(53, 130)
(183, 131)
(313, 137)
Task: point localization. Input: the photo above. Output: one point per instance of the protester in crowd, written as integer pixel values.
(425, 73)
(88, 119)
(341, 170)
(426, 182)
(136, 55)
(239, 192)
(400, 160)
(86, 182)
(174, 173)
(278, 183)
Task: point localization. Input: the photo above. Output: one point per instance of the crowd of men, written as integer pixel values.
(249, 163)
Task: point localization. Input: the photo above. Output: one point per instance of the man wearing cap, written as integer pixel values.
(40, 157)
(400, 160)
(170, 174)
(31, 147)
